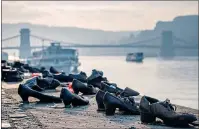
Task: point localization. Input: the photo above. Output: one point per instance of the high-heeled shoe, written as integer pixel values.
(25, 92)
(70, 98)
(83, 88)
(112, 102)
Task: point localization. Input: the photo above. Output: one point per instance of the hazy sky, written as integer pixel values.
(105, 15)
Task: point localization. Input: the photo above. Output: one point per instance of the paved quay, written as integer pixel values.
(17, 115)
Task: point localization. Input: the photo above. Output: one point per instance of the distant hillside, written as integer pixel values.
(68, 34)
(183, 27)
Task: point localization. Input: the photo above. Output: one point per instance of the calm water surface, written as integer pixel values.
(174, 79)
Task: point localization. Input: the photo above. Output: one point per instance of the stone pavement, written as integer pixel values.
(56, 116)
(14, 117)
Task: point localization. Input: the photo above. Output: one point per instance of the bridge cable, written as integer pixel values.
(9, 38)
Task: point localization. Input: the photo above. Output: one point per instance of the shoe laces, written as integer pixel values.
(169, 106)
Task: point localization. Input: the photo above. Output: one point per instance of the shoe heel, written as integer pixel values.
(147, 117)
(66, 103)
(110, 110)
(100, 107)
(24, 98)
(76, 92)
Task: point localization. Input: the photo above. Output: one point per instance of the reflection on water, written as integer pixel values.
(174, 79)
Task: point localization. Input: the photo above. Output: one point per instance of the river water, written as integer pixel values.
(175, 79)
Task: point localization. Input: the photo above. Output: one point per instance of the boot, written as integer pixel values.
(99, 99)
(129, 92)
(83, 88)
(81, 76)
(151, 108)
(69, 98)
(25, 92)
(112, 102)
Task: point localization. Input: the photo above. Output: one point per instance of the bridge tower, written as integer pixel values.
(167, 48)
(25, 49)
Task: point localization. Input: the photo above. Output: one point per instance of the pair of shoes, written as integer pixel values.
(74, 99)
(25, 92)
(151, 108)
(108, 102)
(86, 89)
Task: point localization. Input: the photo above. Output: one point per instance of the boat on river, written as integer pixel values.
(135, 57)
(65, 60)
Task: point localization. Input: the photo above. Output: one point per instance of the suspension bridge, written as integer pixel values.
(25, 39)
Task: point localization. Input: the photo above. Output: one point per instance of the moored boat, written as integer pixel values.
(65, 60)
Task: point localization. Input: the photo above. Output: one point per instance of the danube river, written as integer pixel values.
(174, 79)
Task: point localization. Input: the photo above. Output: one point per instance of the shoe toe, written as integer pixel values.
(183, 119)
(189, 118)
